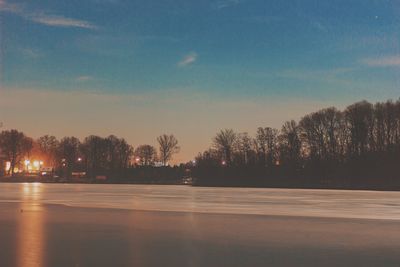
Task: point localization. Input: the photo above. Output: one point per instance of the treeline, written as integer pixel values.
(111, 156)
(356, 147)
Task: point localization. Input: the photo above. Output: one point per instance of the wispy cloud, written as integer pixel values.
(83, 78)
(188, 59)
(220, 4)
(44, 18)
(60, 21)
(311, 74)
(387, 61)
(335, 77)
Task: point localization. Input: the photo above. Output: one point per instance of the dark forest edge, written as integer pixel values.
(357, 148)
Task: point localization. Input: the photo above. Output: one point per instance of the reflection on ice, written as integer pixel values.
(30, 241)
(291, 202)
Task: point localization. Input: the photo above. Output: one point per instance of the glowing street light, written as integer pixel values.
(8, 166)
(36, 164)
(79, 159)
(223, 163)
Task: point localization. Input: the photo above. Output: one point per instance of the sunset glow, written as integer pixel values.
(137, 70)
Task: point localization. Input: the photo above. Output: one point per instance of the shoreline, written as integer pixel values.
(316, 187)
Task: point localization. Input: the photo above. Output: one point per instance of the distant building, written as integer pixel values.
(26, 166)
(158, 164)
(78, 174)
(46, 172)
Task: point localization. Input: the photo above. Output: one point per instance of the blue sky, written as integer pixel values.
(221, 60)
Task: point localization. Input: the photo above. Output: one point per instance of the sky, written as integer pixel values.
(141, 68)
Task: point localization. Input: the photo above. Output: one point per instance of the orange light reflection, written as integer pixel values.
(30, 231)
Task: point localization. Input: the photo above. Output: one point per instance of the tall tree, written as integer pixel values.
(119, 153)
(360, 123)
(335, 133)
(68, 153)
(387, 121)
(208, 159)
(290, 144)
(397, 131)
(14, 145)
(244, 147)
(320, 132)
(146, 154)
(95, 150)
(224, 142)
(266, 145)
(168, 146)
(47, 146)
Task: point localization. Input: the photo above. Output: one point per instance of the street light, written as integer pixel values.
(27, 163)
(36, 164)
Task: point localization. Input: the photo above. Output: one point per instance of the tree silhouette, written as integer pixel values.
(14, 145)
(67, 154)
(146, 154)
(266, 145)
(168, 146)
(224, 141)
(290, 144)
(118, 153)
(360, 123)
(47, 146)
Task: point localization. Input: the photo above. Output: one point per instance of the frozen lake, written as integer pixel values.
(130, 225)
(287, 202)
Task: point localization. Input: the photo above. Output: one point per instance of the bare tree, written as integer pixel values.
(209, 158)
(335, 133)
(47, 146)
(146, 154)
(290, 144)
(14, 145)
(168, 146)
(68, 153)
(118, 152)
(266, 145)
(224, 141)
(323, 136)
(397, 131)
(359, 118)
(244, 146)
(95, 150)
(387, 124)
(108, 155)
